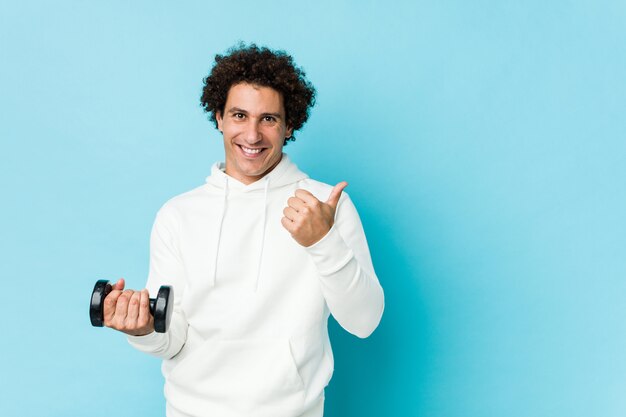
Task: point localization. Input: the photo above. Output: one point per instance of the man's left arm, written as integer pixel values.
(348, 281)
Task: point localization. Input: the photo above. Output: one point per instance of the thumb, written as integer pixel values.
(333, 199)
(119, 285)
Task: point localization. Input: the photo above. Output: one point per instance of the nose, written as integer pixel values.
(252, 133)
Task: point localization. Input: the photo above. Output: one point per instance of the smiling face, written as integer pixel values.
(254, 130)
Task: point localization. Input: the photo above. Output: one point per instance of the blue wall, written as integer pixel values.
(485, 147)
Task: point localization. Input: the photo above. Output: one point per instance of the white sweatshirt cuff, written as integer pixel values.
(330, 253)
(146, 342)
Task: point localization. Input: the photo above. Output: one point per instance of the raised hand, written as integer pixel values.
(309, 219)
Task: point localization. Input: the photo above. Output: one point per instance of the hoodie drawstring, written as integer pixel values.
(212, 278)
(258, 272)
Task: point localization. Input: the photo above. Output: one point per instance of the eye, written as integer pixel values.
(239, 116)
(269, 119)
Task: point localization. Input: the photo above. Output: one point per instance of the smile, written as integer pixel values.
(251, 152)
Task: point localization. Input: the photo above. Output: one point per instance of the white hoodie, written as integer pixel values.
(249, 332)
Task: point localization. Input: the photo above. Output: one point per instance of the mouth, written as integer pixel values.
(251, 152)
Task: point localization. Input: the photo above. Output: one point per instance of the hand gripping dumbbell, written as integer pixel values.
(160, 307)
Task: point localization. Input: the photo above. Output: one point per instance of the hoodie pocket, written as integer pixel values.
(241, 374)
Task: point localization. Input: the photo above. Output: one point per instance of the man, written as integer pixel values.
(258, 257)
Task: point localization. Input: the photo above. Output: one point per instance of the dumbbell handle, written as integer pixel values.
(162, 305)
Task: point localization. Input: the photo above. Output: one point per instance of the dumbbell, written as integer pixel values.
(160, 307)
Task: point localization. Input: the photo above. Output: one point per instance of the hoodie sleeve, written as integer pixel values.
(165, 269)
(349, 283)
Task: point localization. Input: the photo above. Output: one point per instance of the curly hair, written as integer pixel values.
(264, 67)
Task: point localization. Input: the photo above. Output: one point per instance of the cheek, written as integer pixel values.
(230, 130)
(281, 133)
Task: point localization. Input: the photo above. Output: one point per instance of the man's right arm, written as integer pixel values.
(166, 268)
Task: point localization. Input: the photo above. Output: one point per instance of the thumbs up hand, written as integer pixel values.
(307, 218)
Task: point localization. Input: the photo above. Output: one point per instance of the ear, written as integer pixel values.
(218, 117)
(289, 132)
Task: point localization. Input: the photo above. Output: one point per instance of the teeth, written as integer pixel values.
(248, 150)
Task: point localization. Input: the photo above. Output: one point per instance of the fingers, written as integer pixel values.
(132, 314)
(288, 224)
(308, 219)
(335, 194)
(110, 305)
(144, 309)
(306, 197)
(296, 203)
(121, 309)
(290, 213)
(116, 308)
(128, 311)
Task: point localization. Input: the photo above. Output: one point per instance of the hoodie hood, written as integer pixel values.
(284, 174)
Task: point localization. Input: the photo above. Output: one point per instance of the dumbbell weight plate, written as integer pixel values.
(96, 308)
(162, 308)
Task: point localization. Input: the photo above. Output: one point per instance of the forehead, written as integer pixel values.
(255, 99)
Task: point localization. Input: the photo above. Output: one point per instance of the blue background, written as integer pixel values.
(485, 147)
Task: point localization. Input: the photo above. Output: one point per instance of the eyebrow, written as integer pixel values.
(238, 110)
(276, 115)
